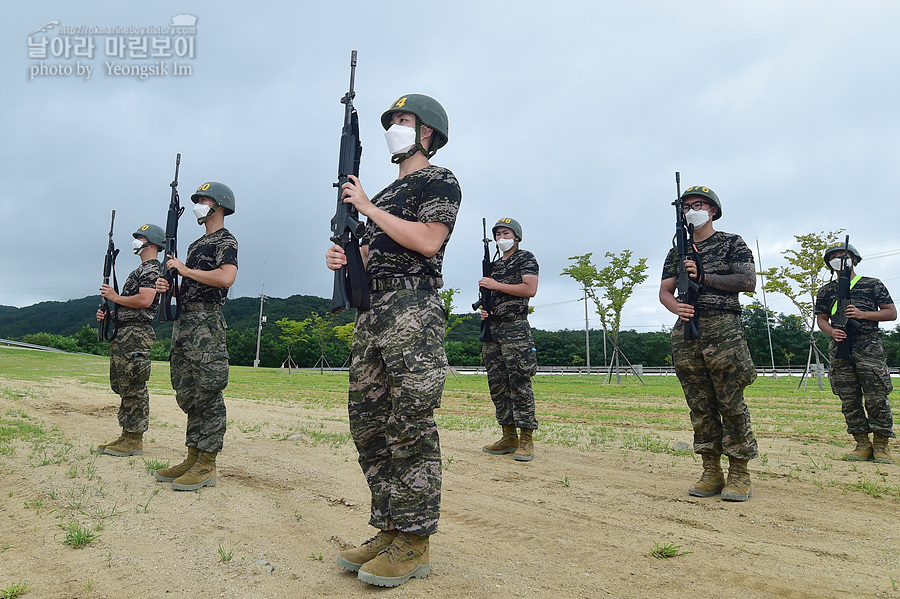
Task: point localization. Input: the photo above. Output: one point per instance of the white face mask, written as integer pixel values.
(697, 218)
(835, 263)
(137, 245)
(400, 139)
(505, 244)
(201, 211)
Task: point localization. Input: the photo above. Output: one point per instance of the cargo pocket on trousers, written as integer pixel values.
(212, 371)
(528, 363)
(424, 353)
(138, 367)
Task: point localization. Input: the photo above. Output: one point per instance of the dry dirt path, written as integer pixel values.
(571, 523)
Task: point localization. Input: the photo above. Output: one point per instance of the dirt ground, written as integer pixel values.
(571, 523)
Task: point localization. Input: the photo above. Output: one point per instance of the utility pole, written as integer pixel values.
(766, 309)
(262, 319)
(587, 334)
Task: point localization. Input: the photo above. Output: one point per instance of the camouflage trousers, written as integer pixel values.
(510, 361)
(129, 371)
(397, 377)
(199, 373)
(865, 374)
(713, 370)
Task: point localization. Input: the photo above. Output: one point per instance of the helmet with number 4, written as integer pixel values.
(510, 223)
(839, 246)
(153, 233)
(219, 192)
(706, 193)
(428, 112)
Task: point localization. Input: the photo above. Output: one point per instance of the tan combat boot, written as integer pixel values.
(525, 452)
(132, 444)
(863, 451)
(508, 443)
(352, 559)
(712, 481)
(881, 449)
(201, 474)
(121, 438)
(407, 557)
(737, 488)
(167, 475)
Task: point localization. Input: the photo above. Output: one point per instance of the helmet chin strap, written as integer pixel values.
(398, 158)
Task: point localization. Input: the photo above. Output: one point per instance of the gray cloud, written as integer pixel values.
(572, 117)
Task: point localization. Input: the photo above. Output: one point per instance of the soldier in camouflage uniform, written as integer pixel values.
(715, 367)
(510, 357)
(199, 358)
(865, 373)
(398, 365)
(129, 350)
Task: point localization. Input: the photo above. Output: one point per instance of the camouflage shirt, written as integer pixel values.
(510, 272)
(429, 195)
(209, 253)
(718, 254)
(867, 295)
(144, 276)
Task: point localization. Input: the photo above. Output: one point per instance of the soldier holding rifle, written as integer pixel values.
(199, 357)
(129, 350)
(398, 365)
(508, 351)
(713, 364)
(850, 314)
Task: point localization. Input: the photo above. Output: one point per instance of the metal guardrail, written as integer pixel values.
(542, 370)
(32, 346)
(41, 347)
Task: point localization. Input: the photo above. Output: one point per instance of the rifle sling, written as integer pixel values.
(853, 282)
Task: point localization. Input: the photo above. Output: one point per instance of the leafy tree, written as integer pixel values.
(801, 279)
(344, 332)
(50, 340)
(754, 318)
(617, 281)
(162, 347)
(87, 342)
(453, 320)
(315, 340)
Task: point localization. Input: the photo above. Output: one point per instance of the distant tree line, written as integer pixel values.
(305, 331)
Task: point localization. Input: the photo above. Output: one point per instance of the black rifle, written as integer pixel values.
(171, 275)
(351, 284)
(839, 316)
(109, 326)
(688, 288)
(484, 294)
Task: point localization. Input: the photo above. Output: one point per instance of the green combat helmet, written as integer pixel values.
(154, 235)
(838, 246)
(509, 223)
(219, 192)
(704, 192)
(428, 112)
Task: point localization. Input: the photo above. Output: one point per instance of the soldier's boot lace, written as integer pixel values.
(712, 481)
(508, 443)
(737, 487)
(863, 451)
(406, 557)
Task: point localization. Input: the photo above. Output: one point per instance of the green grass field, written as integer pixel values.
(574, 411)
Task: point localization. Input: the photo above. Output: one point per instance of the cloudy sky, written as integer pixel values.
(570, 116)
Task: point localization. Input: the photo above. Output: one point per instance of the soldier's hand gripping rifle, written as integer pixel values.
(688, 288)
(166, 312)
(109, 326)
(351, 284)
(839, 310)
(484, 294)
